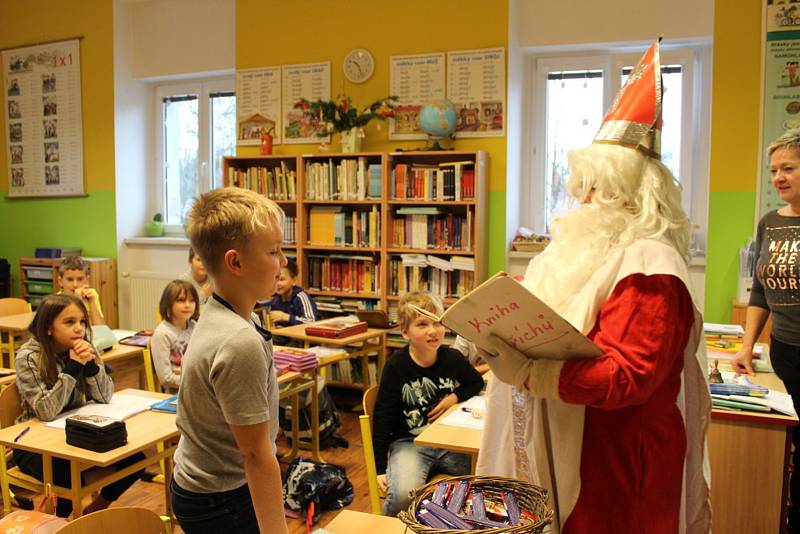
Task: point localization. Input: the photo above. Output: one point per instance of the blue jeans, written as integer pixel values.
(410, 466)
(214, 513)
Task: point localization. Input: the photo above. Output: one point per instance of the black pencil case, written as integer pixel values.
(95, 433)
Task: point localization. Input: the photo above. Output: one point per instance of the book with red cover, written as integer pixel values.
(336, 329)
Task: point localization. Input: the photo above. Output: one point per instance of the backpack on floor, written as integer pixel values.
(329, 419)
(324, 485)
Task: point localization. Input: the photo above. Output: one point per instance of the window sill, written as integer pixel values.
(158, 241)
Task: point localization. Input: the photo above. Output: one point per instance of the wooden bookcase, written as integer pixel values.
(38, 277)
(385, 249)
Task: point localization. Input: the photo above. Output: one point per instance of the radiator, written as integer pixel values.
(145, 292)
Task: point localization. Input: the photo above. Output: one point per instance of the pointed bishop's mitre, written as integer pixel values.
(634, 119)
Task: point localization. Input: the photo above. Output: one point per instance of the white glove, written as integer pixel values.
(507, 363)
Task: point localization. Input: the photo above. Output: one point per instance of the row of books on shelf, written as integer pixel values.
(330, 225)
(355, 274)
(427, 227)
(289, 229)
(332, 304)
(350, 372)
(443, 182)
(347, 179)
(278, 182)
(433, 274)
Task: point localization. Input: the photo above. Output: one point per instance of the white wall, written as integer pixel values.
(182, 37)
(569, 22)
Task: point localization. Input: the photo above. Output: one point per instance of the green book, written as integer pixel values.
(740, 405)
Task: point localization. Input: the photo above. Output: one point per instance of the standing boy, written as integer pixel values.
(227, 477)
(197, 275)
(419, 383)
(73, 278)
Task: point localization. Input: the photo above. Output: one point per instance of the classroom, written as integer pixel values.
(119, 114)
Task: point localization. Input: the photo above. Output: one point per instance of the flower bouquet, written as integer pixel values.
(342, 116)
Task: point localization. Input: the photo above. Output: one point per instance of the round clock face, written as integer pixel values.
(358, 65)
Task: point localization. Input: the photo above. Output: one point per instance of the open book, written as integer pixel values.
(502, 306)
(120, 408)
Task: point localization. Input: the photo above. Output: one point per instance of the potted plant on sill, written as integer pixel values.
(341, 116)
(154, 228)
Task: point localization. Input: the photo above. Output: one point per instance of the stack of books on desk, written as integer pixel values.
(739, 393)
(723, 341)
(295, 359)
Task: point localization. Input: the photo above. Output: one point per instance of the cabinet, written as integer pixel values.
(38, 278)
(739, 316)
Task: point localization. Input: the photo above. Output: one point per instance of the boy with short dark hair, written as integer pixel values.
(420, 382)
(291, 304)
(227, 477)
(73, 279)
(197, 275)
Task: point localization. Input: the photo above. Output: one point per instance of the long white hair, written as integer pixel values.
(624, 196)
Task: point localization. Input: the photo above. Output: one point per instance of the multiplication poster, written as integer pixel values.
(310, 81)
(476, 85)
(416, 80)
(258, 105)
(44, 128)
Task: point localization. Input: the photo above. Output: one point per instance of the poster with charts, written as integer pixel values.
(258, 105)
(44, 128)
(415, 80)
(781, 89)
(476, 85)
(311, 81)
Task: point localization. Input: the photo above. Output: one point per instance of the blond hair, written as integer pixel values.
(227, 218)
(421, 299)
(788, 140)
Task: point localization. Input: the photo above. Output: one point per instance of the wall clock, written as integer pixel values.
(358, 65)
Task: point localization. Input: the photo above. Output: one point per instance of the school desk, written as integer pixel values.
(367, 339)
(452, 438)
(749, 454)
(292, 383)
(127, 362)
(145, 431)
(11, 326)
(350, 522)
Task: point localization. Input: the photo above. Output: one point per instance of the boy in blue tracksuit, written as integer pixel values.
(291, 305)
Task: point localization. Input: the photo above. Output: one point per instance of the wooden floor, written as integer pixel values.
(151, 495)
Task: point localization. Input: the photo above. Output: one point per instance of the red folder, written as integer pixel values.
(337, 330)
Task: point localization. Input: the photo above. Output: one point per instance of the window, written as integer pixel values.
(196, 127)
(566, 99)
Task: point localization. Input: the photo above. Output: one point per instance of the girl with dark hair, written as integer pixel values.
(179, 311)
(58, 370)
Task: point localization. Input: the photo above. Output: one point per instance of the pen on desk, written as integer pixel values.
(24, 431)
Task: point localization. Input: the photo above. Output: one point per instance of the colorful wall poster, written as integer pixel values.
(310, 81)
(258, 105)
(44, 128)
(415, 80)
(781, 88)
(476, 85)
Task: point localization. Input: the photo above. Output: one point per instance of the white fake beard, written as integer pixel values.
(582, 239)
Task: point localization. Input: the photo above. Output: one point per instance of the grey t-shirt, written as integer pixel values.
(776, 284)
(228, 379)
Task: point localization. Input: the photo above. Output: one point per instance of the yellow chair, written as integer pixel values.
(375, 494)
(8, 342)
(10, 409)
(153, 385)
(123, 520)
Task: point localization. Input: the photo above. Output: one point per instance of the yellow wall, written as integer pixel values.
(86, 222)
(276, 32)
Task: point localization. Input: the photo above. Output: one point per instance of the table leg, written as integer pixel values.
(4, 482)
(473, 463)
(167, 466)
(295, 427)
(315, 454)
(75, 477)
(382, 355)
(47, 479)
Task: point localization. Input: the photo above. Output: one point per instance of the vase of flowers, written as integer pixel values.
(342, 116)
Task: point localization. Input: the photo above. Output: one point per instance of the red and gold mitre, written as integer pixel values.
(634, 119)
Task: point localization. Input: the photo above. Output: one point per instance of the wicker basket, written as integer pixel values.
(529, 246)
(531, 498)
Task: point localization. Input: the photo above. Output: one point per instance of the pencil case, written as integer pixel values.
(95, 432)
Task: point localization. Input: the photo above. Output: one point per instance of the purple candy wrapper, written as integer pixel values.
(440, 493)
(427, 518)
(446, 515)
(457, 498)
(511, 507)
(478, 505)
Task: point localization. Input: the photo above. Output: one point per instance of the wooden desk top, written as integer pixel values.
(774, 383)
(16, 323)
(451, 438)
(144, 430)
(298, 332)
(120, 352)
(350, 522)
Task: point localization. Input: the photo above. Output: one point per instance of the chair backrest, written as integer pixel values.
(12, 306)
(122, 520)
(10, 405)
(365, 421)
(149, 371)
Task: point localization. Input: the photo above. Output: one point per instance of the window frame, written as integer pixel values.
(203, 88)
(695, 60)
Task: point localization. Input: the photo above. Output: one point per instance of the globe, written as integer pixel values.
(438, 119)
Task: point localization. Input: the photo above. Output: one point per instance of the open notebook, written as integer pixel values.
(120, 408)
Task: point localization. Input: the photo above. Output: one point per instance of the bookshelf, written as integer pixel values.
(361, 220)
